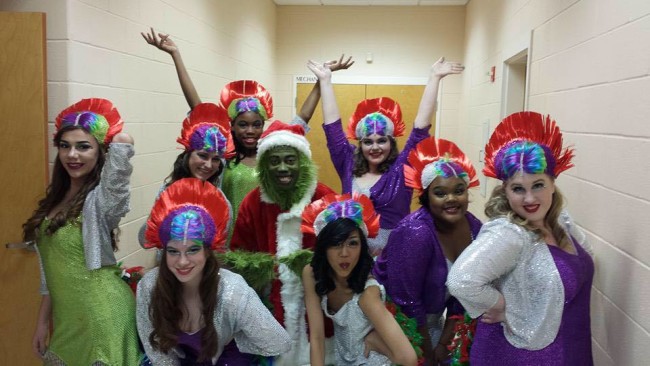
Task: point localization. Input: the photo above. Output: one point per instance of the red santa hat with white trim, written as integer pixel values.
(282, 134)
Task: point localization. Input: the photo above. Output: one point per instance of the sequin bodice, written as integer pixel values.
(350, 327)
(93, 311)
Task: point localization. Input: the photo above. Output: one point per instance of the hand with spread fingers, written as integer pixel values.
(340, 64)
(160, 41)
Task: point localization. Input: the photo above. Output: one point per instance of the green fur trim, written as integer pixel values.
(286, 199)
(257, 268)
(297, 260)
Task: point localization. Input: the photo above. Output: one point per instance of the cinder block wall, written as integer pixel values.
(95, 50)
(590, 64)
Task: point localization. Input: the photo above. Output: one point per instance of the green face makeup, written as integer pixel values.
(284, 167)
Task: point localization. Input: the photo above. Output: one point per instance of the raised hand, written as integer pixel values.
(160, 41)
(443, 68)
(341, 64)
(321, 70)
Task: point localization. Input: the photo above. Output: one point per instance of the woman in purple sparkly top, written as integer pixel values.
(374, 167)
(528, 274)
(414, 264)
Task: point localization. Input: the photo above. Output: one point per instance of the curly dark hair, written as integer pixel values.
(56, 191)
(181, 170)
(166, 309)
(361, 164)
(332, 234)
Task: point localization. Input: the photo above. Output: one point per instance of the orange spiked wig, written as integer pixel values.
(526, 142)
(357, 208)
(246, 95)
(189, 209)
(207, 127)
(437, 157)
(97, 116)
(382, 116)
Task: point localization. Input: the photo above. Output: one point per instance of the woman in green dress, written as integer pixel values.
(91, 309)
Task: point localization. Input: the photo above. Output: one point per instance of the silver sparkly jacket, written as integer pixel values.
(239, 314)
(509, 259)
(103, 209)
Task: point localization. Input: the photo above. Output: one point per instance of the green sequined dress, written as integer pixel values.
(238, 181)
(93, 311)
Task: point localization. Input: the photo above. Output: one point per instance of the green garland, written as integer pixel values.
(297, 260)
(257, 268)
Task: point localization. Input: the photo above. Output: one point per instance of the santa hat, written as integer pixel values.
(282, 134)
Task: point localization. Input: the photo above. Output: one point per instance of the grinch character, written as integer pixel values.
(269, 221)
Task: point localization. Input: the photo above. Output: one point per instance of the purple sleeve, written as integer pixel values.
(405, 265)
(341, 153)
(416, 135)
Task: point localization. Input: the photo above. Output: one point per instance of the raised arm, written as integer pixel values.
(164, 43)
(315, 317)
(309, 105)
(324, 74)
(401, 351)
(427, 107)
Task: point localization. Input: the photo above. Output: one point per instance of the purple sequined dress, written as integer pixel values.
(572, 345)
(391, 198)
(413, 268)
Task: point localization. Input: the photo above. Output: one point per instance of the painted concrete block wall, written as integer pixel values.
(589, 69)
(95, 50)
(404, 43)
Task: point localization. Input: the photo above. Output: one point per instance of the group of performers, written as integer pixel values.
(261, 264)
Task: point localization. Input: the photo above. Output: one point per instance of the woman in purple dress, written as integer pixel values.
(528, 274)
(374, 167)
(414, 264)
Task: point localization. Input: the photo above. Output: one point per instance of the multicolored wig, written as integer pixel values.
(207, 127)
(97, 116)
(433, 158)
(242, 96)
(357, 208)
(381, 116)
(526, 142)
(189, 210)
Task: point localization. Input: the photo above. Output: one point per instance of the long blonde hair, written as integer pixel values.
(498, 206)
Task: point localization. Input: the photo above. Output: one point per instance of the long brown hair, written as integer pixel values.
(498, 206)
(166, 309)
(56, 191)
(361, 163)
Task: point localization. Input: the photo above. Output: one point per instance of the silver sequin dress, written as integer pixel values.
(350, 328)
(506, 258)
(239, 315)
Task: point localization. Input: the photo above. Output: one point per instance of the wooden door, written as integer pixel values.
(23, 127)
(347, 97)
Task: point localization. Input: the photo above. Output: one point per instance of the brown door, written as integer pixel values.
(23, 177)
(347, 97)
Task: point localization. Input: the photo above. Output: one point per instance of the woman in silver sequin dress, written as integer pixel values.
(188, 309)
(337, 284)
(528, 274)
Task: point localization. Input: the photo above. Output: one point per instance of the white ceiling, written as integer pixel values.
(373, 2)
